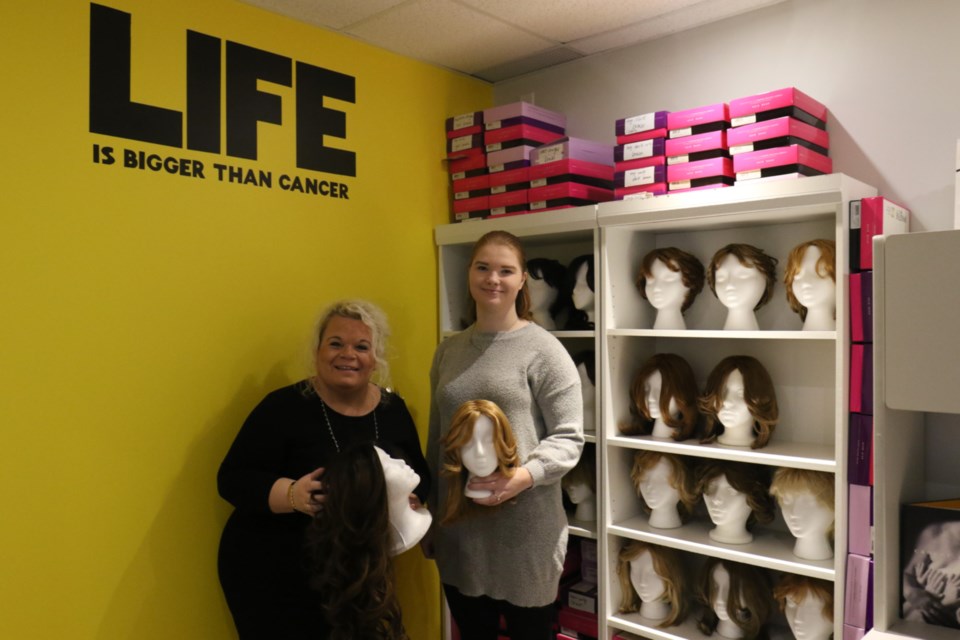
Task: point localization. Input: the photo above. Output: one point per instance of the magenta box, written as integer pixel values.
(510, 122)
(794, 154)
(479, 203)
(861, 306)
(511, 180)
(716, 182)
(699, 142)
(861, 378)
(645, 135)
(470, 163)
(860, 518)
(644, 190)
(879, 216)
(509, 202)
(570, 190)
(494, 115)
(463, 146)
(570, 166)
(698, 115)
(505, 156)
(574, 149)
(471, 184)
(640, 163)
(700, 169)
(858, 595)
(464, 121)
(851, 632)
(788, 97)
(776, 128)
(641, 123)
(529, 132)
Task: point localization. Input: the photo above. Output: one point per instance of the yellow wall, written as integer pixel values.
(144, 314)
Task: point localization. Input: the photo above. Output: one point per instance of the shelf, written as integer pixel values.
(721, 334)
(917, 630)
(581, 529)
(580, 221)
(634, 623)
(769, 549)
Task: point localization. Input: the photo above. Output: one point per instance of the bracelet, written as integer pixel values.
(290, 496)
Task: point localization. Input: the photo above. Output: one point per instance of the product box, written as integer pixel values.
(573, 149)
(510, 180)
(583, 597)
(640, 163)
(929, 556)
(509, 202)
(760, 164)
(493, 116)
(861, 378)
(879, 216)
(578, 622)
(646, 135)
(860, 515)
(464, 124)
(699, 184)
(641, 191)
(858, 595)
(713, 117)
(779, 132)
(581, 171)
(637, 150)
(525, 120)
(566, 194)
(511, 158)
(516, 136)
(687, 171)
(465, 146)
(854, 237)
(471, 187)
(642, 123)
(639, 177)
(851, 632)
(774, 104)
(861, 306)
(860, 449)
(468, 205)
(701, 146)
(469, 164)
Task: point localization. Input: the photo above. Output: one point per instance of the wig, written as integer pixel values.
(512, 242)
(678, 383)
(799, 587)
(588, 358)
(668, 565)
(749, 256)
(578, 320)
(818, 483)
(759, 395)
(369, 314)
(690, 268)
(460, 432)
(751, 480)
(585, 472)
(348, 550)
(554, 274)
(826, 268)
(748, 601)
(680, 478)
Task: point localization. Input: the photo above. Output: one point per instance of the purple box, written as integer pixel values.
(498, 160)
(851, 632)
(639, 177)
(573, 149)
(860, 531)
(860, 449)
(465, 123)
(641, 123)
(493, 116)
(858, 595)
(641, 149)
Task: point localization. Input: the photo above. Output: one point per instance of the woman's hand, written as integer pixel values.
(306, 494)
(501, 487)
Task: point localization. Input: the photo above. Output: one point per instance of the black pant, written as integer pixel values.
(478, 617)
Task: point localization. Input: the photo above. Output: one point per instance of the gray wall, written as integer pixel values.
(887, 70)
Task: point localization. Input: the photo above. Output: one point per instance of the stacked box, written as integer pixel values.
(513, 131)
(467, 164)
(570, 172)
(697, 155)
(641, 148)
(773, 122)
(508, 190)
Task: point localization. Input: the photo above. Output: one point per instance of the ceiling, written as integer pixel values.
(496, 40)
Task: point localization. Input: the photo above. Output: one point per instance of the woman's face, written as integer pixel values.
(806, 618)
(738, 286)
(665, 288)
(810, 288)
(645, 580)
(804, 514)
(734, 412)
(583, 296)
(400, 477)
(479, 455)
(652, 389)
(345, 358)
(655, 486)
(495, 277)
(726, 505)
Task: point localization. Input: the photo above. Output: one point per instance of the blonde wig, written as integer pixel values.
(460, 432)
(680, 478)
(690, 269)
(668, 565)
(679, 384)
(753, 481)
(759, 395)
(818, 483)
(748, 600)
(799, 587)
(826, 268)
(749, 256)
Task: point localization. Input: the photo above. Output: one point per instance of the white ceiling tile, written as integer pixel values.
(332, 14)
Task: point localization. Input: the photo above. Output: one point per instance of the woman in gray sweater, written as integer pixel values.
(508, 558)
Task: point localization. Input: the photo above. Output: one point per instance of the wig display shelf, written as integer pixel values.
(636, 626)
(913, 631)
(720, 334)
(580, 528)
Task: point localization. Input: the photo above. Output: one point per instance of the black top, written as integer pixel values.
(286, 435)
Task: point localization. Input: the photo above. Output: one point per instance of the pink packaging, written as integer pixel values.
(688, 119)
(497, 159)
(643, 135)
(574, 149)
(860, 518)
(851, 632)
(463, 146)
(568, 166)
(467, 185)
(509, 202)
(756, 161)
(879, 216)
(742, 108)
(700, 169)
(534, 135)
(640, 163)
(679, 150)
(480, 203)
(494, 115)
(641, 191)
(715, 182)
(741, 139)
(566, 194)
(858, 595)
(640, 177)
(511, 180)
(462, 165)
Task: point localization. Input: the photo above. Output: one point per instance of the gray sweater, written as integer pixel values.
(515, 551)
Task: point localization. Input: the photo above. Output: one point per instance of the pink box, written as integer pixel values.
(700, 169)
(879, 216)
(747, 138)
(573, 149)
(861, 306)
(702, 146)
(518, 134)
(469, 185)
(858, 595)
(860, 518)
(598, 175)
(578, 621)
(498, 160)
(701, 184)
(742, 109)
(642, 123)
(463, 146)
(641, 191)
(566, 194)
(510, 122)
(470, 163)
(698, 120)
(639, 150)
(509, 202)
(646, 135)
(640, 163)
(494, 115)
(480, 203)
(755, 163)
(512, 180)
(861, 378)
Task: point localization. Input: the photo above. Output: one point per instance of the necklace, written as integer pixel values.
(336, 443)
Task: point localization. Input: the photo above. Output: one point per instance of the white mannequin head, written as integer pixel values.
(742, 278)
(728, 510)
(652, 387)
(807, 604)
(408, 525)
(660, 495)
(652, 582)
(739, 403)
(738, 599)
(588, 391)
(810, 279)
(650, 587)
(583, 296)
(807, 503)
(737, 496)
(479, 455)
(726, 627)
(667, 293)
(580, 485)
(734, 413)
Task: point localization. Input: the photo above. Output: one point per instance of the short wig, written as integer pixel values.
(678, 384)
(826, 268)
(749, 256)
(681, 478)
(751, 480)
(799, 588)
(818, 483)
(690, 268)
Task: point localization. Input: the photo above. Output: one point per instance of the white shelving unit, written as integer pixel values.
(916, 369)
(809, 369)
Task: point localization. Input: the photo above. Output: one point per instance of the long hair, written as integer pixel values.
(511, 241)
(759, 395)
(748, 601)
(348, 550)
(690, 268)
(826, 268)
(680, 478)
(753, 481)
(667, 564)
(461, 431)
(748, 256)
(678, 384)
(554, 274)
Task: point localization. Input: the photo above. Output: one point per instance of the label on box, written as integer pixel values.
(637, 177)
(500, 188)
(550, 154)
(638, 124)
(742, 120)
(539, 182)
(463, 120)
(679, 133)
(679, 184)
(496, 124)
(635, 150)
(459, 175)
(494, 146)
(678, 159)
(461, 195)
(462, 143)
(583, 597)
(741, 148)
(539, 204)
(749, 175)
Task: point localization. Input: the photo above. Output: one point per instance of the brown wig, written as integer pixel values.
(348, 550)
(678, 384)
(690, 269)
(680, 478)
(668, 565)
(749, 256)
(554, 274)
(759, 394)
(826, 268)
(819, 483)
(748, 601)
(461, 431)
(799, 587)
(511, 241)
(751, 480)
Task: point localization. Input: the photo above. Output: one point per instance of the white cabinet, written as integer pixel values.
(809, 368)
(916, 373)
